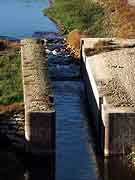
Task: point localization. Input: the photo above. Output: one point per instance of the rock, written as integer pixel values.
(48, 51)
(54, 52)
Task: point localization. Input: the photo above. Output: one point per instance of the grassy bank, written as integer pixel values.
(84, 15)
(109, 18)
(10, 74)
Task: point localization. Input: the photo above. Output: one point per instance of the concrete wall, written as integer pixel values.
(110, 103)
(39, 110)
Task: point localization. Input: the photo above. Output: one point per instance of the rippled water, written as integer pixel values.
(73, 161)
(77, 152)
(21, 18)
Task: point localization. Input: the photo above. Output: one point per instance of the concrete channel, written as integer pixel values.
(108, 72)
(108, 69)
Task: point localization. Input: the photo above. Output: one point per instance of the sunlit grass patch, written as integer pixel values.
(10, 78)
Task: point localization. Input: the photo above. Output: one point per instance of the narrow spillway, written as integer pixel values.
(72, 151)
(76, 147)
(72, 158)
(76, 157)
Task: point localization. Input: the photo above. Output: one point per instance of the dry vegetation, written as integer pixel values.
(119, 18)
(106, 18)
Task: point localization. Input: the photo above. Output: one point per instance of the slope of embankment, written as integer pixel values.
(11, 93)
(95, 18)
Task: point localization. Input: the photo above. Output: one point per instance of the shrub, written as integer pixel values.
(76, 14)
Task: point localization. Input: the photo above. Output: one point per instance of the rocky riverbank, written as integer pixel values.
(76, 19)
(93, 18)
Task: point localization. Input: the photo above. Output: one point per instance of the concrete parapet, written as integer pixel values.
(108, 71)
(39, 108)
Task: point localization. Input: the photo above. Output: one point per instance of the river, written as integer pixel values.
(21, 18)
(76, 157)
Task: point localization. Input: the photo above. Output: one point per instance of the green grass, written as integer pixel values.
(77, 14)
(10, 78)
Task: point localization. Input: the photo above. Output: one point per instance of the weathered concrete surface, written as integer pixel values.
(111, 76)
(131, 2)
(39, 110)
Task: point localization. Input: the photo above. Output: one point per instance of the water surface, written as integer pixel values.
(21, 18)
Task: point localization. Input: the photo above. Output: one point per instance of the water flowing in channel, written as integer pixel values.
(75, 145)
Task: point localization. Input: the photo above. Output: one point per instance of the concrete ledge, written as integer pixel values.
(38, 98)
(108, 71)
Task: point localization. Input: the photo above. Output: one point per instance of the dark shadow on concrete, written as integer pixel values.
(95, 124)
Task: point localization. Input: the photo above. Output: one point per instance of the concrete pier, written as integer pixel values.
(39, 108)
(108, 67)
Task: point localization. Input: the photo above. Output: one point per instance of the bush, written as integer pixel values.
(109, 18)
(76, 14)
